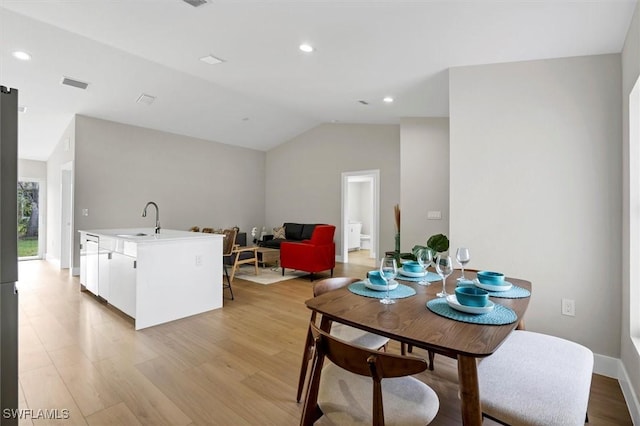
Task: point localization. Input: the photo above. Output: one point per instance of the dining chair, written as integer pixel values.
(536, 379)
(343, 332)
(363, 387)
(236, 255)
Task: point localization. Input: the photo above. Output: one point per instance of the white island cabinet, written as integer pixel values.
(153, 278)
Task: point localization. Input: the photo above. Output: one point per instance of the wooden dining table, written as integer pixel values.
(410, 321)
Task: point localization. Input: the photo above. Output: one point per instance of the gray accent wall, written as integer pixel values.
(304, 182)
(424, 186)
(118, 168)
(536, 186)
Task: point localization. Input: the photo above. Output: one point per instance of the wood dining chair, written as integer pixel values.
(344, 332)
(363, 386)
(536, 379)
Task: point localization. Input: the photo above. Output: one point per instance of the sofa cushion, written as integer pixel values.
(292, 231)
(307, 231)
(279, 233)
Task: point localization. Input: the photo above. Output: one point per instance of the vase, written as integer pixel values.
(397, 250)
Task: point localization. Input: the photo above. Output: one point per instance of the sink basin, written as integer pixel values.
(139, 234)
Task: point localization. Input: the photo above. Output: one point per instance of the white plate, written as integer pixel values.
(392, 285)
(453, 302)
(491, 287)
(411, 274)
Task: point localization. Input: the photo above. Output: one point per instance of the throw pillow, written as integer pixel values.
(278, 233)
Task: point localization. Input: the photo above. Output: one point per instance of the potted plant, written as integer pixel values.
(438, 243)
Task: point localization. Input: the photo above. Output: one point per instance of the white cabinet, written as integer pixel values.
(122, 288)
(92, 273)
(354, 236)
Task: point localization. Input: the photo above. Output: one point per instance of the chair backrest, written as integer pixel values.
(323, 234)
(229, 241)
(328, 284)
(358, 360)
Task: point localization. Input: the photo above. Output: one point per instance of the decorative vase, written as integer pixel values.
(397, 250)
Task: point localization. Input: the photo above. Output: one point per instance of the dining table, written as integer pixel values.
(410, 321)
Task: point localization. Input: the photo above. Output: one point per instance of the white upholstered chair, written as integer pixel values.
(344, 332)
(365, 387)
(536, 379)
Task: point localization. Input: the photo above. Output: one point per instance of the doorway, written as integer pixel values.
(66, 216)
(360, 213)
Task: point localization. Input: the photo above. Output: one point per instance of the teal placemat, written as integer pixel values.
(399, 292)
(514, 292)
(500, 315)
(431, 277)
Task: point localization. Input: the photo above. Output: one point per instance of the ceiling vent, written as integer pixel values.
(74, 83)
(196, 3)
(146, 99)
(363, 102)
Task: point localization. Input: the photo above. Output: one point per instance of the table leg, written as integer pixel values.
(469, 391)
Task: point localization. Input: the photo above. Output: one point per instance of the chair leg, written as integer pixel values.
(283, 271)
(431, 356)
(228, 282)
(306, 357)
(331, 272)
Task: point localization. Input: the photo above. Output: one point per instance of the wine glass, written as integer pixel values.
(463, 257)
(424, 257)
(388, 271)
(444, 267)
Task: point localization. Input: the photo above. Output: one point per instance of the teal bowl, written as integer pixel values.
(490, 277)
(472, 296)
(412, 266)
(376, 279)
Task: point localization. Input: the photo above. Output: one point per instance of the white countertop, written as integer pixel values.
(132, 234)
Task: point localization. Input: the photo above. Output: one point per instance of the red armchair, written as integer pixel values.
(314, 255)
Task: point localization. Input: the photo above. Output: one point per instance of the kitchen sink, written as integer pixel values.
(139, 234)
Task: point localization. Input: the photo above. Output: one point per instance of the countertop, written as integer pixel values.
(132, 234)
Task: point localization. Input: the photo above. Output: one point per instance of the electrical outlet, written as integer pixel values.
(569, 307)
(198, 260)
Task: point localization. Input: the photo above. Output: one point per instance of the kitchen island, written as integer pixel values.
(153, 278)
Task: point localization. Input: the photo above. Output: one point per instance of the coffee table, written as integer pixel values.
(268, 255)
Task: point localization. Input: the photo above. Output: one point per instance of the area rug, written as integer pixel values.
(267, 275)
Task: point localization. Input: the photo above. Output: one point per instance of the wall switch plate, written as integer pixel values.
(434, 215)
(569, 307)
(198, 260)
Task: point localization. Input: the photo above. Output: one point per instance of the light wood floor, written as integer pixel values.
(361, 257)
(235, 366)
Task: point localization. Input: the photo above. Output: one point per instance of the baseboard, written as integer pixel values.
(75, 271)
(606, 366)
(53, 260)
(338, 258)
(629, 394)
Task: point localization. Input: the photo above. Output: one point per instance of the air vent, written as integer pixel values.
(196, 3)
(146, 99)
(364, 102)
(74, 83)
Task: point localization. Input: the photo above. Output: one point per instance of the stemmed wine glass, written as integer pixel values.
(388, 271)
(444, 267)
(424, 257)
(463, 257)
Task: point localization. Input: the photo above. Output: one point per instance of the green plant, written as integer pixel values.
(438, 243)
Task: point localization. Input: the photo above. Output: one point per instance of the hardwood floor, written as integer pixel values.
(361, 257)
(235, 366)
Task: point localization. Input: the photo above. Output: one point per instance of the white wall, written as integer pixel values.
(62, 154)
(118, 168)
(424, 179)
(536, 186)
(303, 176)
(629, 351)
(32, 169)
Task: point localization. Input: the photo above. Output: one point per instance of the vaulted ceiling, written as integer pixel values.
(266, 90)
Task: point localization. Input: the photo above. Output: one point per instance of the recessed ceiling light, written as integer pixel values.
(306, 48)
(23, 56)
(388, 99)
(211, 60)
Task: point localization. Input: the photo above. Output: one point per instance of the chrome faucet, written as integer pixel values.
(144, 214)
